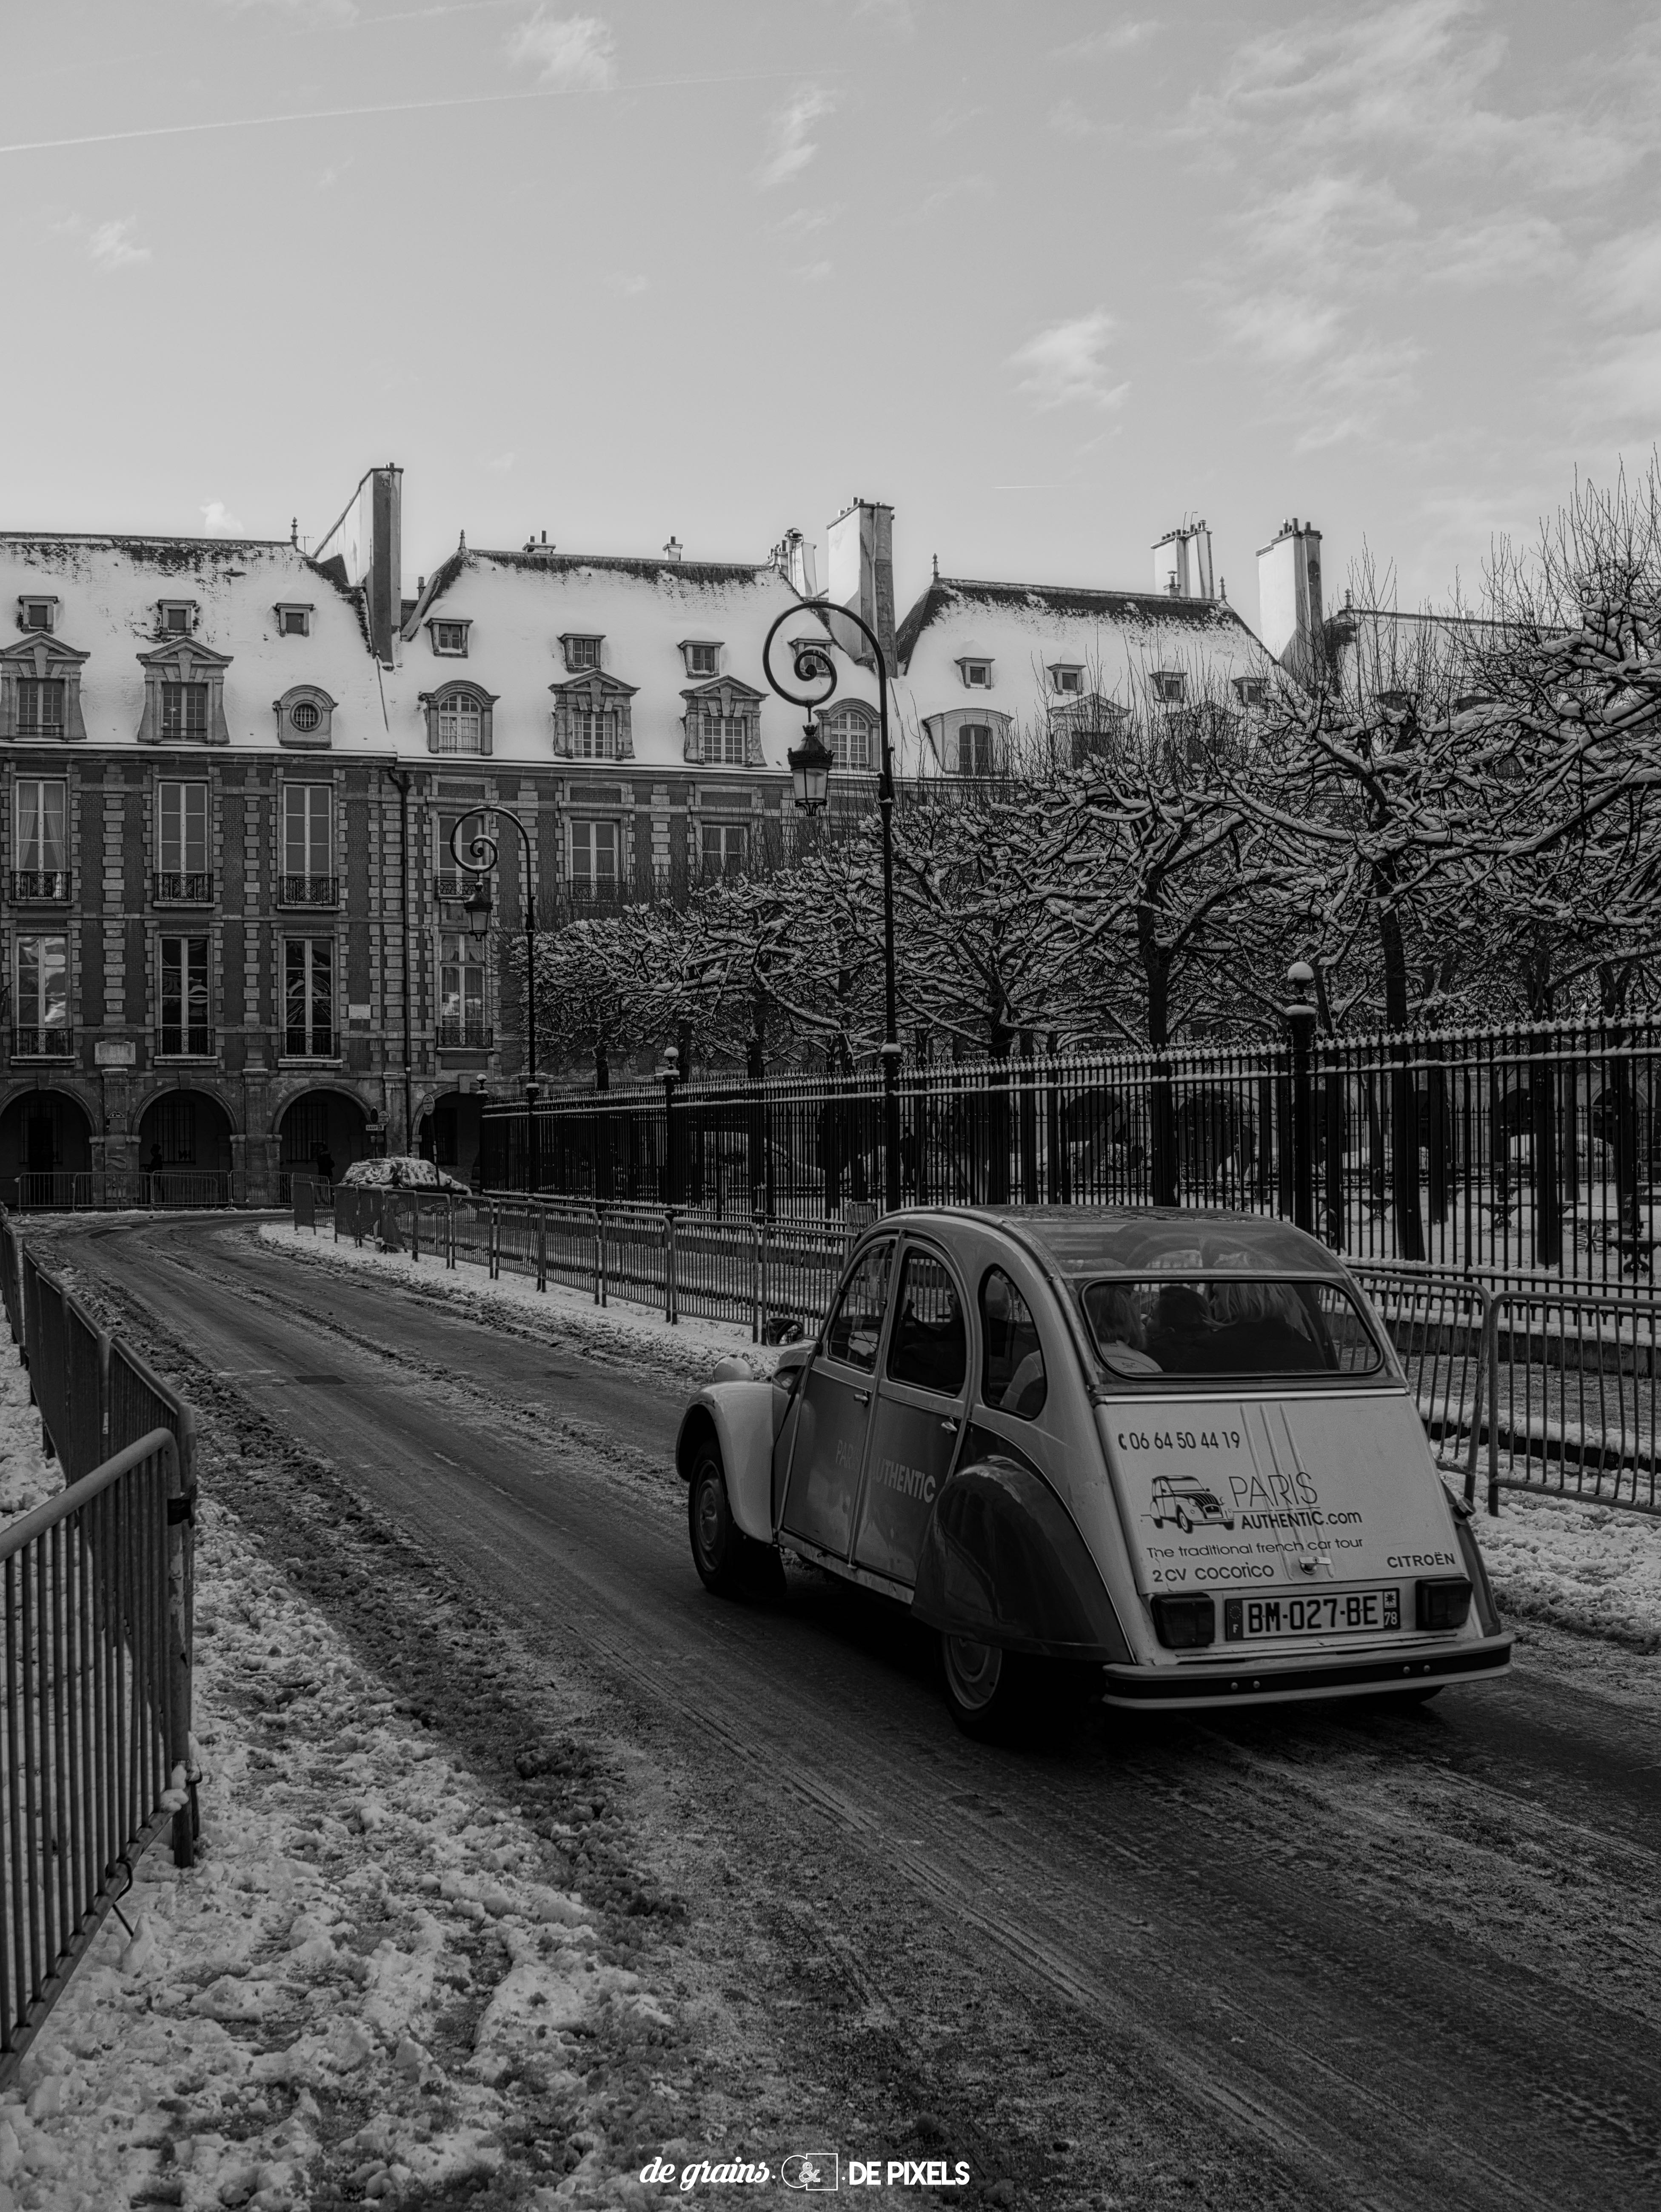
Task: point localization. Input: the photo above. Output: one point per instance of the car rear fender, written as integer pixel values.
(1002, 1561)
(738, 1416)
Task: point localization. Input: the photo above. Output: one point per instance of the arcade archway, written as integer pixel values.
(185, 1129)
(44, 1133)
(321, 1133)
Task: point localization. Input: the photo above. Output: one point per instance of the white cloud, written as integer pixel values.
(953, 189)
(499, 464)
(802, 222)
(332, 176)
(790, 148)
(1287, 329)
(574, 52)
(626, 286)
(811, 272)
(218, 521)
(111, 244)
(1118, 39)
(1067, 363)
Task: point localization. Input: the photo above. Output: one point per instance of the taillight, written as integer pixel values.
(1183, 1624)
(1442, 1605)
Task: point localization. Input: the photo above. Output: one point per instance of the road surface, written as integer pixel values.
(1329, 1960)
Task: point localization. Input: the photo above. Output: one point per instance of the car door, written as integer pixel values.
(836, 1408)
(922, 1399)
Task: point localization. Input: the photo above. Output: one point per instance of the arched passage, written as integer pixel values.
(42, 1132)
(450, 1131)
(321, 1133)
(185, 1129)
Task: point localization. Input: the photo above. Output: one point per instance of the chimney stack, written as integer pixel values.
(859, 556)
(1182, 562)
(673, 550)
(368, 544)
(793, 556)
(1289, 616)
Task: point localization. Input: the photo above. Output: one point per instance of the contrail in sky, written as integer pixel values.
(394, 107)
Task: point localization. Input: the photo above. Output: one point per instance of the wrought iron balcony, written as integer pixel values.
(42, 1041)
(308, 891)
(175, 887)
(465, 1033)
(309, 1042)
(41, 886)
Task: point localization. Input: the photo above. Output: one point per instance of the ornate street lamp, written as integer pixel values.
(481, 856)
(811, 762)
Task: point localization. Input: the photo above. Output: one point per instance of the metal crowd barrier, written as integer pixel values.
(97, 1715)
(102, 1190)
(778, 1277)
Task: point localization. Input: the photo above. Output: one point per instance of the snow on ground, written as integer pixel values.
(1596, 1569)
(361, 1969)
(682, 1352)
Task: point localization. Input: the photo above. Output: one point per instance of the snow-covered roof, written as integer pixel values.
(519, 606)
(1117, 639)
(108, 589)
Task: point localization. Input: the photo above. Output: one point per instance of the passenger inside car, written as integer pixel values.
(1180, 1339)
(1116, 1324)
(1261, 1329)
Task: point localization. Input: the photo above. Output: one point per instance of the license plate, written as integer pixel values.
(1314, 1612)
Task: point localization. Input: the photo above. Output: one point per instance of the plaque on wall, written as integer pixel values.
(114, 1052)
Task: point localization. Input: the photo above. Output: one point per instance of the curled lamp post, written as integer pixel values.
(811, 762)
(480, 857)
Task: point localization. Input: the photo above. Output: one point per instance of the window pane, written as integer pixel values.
(39, 834)
(929, 1348)
(1233, 1327)
(857, 1324)
(1013, 1377)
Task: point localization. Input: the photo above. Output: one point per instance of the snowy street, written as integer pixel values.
(1323, 1959)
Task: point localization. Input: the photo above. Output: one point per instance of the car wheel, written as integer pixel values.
(719, 1546)
(980, 1684)
(1183, 1521)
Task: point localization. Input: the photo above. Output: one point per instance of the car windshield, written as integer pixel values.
(1190, 1327)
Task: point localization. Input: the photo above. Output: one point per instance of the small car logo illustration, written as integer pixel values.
(1185, 1500)
(811, 2169)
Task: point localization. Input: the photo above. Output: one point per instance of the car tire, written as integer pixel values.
(719, 1548)
(983, 1685)
(1182, 1522)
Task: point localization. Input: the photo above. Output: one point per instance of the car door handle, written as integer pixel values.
(951, 1428)
(861, 1397)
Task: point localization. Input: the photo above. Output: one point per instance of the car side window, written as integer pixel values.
(929, 1348)
(856, 1325)
(1013, 1378)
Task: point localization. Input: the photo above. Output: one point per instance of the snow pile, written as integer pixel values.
(682, 1352)
(28, 1477)
(400, 1171)
(1596, 1569)
(360, 1990)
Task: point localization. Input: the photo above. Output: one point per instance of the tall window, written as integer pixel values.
(184, 712)
(594, 733)
(308, 844)
(724, 737)
(308, 997)
(973, 749)
(172, 1131)
(184, 1026)
(593, 857)
(461, 724)
(726, 846)
(461, 1019)
(40, 706)
(847, 732)
(39, 837)
(41, 996)
(181, 841)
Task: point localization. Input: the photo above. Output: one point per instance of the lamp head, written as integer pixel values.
(477, 908)
(810, 763)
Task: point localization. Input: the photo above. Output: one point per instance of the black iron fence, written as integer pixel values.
(97, 1612)
(1526, 1151)
(101, 1190)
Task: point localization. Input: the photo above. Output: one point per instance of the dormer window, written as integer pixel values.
(293, 618)
(1170, 686)
(36, 613)
(449, 637)
(1251, 690)
(175, 617)
(701, 655)
(581, 651)
(1066, 676)
(976, 674)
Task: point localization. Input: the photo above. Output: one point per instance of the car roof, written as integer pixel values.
(1139, 1240)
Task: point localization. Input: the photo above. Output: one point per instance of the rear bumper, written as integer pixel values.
(1272, 1682)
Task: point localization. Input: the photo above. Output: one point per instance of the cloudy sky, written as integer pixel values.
(1048, 275)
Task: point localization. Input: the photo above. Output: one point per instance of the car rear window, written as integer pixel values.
(1198, 1327)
